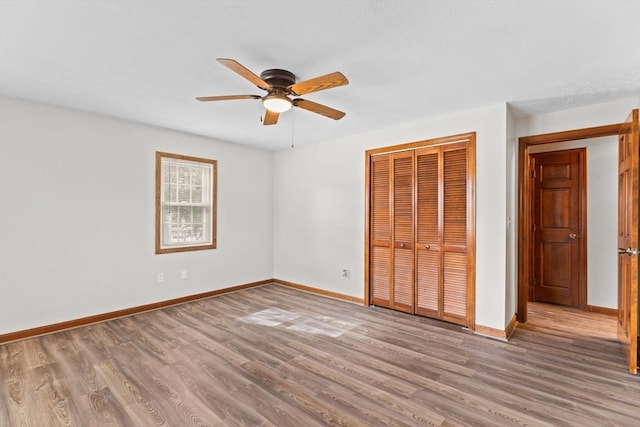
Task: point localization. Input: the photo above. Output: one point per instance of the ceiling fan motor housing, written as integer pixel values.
(277, 78)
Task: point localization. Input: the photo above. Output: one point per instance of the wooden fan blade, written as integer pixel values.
(270, 117)
(244, 72)
(319, 83)
(318, 108)
(226, 97)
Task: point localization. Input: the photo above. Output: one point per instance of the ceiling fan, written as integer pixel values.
(281, 86)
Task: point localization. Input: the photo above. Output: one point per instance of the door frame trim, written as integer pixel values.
(524, 199)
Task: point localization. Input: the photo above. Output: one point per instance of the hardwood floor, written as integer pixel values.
(277, 356)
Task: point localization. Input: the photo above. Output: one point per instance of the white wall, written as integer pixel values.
(577, 118)
(511, 224)
(601, 186)
(77, 227)
(319, 207)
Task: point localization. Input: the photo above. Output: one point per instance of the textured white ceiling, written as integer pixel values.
(146, 61)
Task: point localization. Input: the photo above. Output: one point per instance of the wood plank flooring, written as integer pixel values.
(276, 356)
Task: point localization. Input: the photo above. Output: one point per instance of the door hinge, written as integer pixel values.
(628, 251)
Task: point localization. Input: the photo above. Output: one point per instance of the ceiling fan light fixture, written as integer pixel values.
(276, 103)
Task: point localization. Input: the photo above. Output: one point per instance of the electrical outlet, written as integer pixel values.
(183, 275)
(345, 273)
(160, 278)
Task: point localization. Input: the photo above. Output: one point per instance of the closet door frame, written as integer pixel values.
(470, 139)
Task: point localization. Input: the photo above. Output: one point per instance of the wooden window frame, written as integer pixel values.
(212, 204)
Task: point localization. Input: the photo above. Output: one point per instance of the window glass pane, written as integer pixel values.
(184, 195)
(183, 175)
(196, 195)
(174, 214)
(196, 176)
(198, 217)
(184, 215)
(198, 231)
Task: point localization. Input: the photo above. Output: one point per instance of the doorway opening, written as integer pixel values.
(628, 137)
(527, 145)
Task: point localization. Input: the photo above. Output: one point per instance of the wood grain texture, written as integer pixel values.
(317, 84)
(511, 327)
(499, 334)
(402, 223)
(603, 310)
(83, 321)
(628, 236)
(463, 137)
(573, 135)
(208, 363)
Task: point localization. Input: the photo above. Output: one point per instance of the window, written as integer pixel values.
(185, 203)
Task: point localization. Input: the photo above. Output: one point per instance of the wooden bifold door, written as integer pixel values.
(421, 228)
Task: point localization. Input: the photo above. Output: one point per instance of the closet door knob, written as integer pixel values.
(427, 246)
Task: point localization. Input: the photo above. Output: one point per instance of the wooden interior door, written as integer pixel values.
(557, 223)
(628, 161)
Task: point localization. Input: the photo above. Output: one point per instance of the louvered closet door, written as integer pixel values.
(428, 235)
(421, 230)
(441, 232)
(454, 236)
(391, 252)
(380, 231)
(402, 231)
